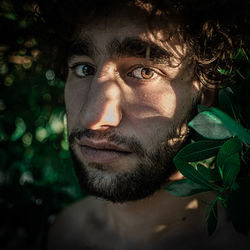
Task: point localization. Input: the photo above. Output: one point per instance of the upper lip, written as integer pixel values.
(102, 145)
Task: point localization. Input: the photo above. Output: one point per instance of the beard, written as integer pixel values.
(150, 174)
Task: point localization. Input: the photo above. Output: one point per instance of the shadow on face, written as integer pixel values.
(129, 88)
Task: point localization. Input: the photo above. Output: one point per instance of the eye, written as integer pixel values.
(83, 70)
(142, 73)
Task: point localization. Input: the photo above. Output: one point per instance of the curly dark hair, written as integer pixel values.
(212, 29)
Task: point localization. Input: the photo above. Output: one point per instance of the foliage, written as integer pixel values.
(36, 178)
(219, 158)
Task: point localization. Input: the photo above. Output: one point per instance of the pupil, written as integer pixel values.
(146, 73)
(85, 70)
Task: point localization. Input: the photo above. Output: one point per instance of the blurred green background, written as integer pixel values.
(36, 176)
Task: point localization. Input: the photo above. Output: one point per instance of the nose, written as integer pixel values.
(102, 109)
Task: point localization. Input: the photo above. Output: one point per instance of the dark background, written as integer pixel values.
(36, 176)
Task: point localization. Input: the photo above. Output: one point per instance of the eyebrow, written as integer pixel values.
(81, 47)
(129, 47)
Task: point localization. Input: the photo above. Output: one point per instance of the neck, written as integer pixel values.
(145, 219)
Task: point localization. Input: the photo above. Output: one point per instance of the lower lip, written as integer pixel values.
(101, 155)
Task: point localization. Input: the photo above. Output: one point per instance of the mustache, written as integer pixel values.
(131, 142)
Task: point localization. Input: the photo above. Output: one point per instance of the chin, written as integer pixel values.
(129, 184)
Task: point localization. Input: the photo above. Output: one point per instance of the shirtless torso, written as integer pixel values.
(94, 224)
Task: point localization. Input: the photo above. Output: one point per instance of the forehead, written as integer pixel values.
(110, 29)
(127, 34)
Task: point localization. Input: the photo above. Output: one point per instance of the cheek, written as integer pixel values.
(150, 112)
(155, 111)
(166, 103)
(185, 96)
(148, 103)
(74, 95)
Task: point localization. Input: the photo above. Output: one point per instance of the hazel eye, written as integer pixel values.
(143, 73)
(83, 70)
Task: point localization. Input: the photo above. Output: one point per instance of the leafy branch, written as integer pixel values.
(216, 163)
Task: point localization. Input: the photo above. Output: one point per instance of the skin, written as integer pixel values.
(112, 100)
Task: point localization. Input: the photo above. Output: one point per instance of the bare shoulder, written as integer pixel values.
(74, 226)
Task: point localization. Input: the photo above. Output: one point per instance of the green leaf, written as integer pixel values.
(198, 151)
(229, 148)
(231, 169)
(212, 218)
(185, 187)
(209, 174)
(192, 174)
(224, 71)
(219, 119)
(228, 161)
(225, 102)
(209, 126)
(240, 54)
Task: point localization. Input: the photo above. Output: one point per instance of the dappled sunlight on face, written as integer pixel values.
(109, 115)
(145, 103)
(181, 133)
(177, 50)
(135, 91)
(197, 85)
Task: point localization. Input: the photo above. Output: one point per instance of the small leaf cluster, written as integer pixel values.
(218, 158)
(214, 163)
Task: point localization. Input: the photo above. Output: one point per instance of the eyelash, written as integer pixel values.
(74, 69)
(142, 68)
(132, 73)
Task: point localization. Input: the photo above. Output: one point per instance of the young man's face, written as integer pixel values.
(128, 97)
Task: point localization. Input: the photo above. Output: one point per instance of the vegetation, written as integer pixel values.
(218, 158)
(36, 178)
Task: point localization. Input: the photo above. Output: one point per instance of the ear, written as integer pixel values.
(209, 96)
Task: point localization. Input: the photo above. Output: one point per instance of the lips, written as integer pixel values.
(101, 151)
